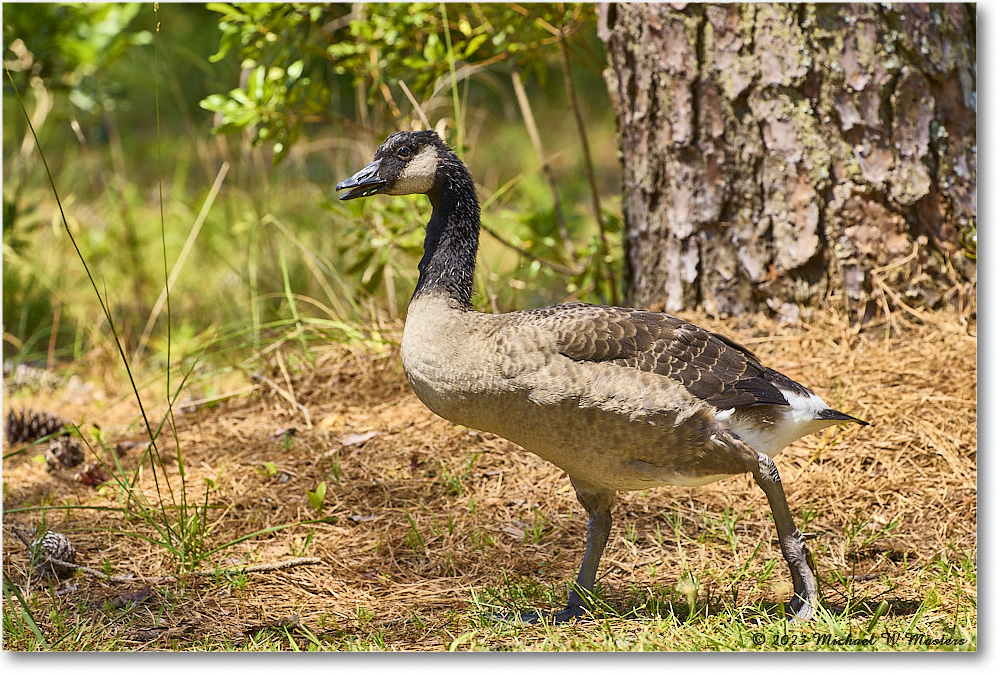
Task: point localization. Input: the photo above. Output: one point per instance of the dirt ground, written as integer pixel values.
(429, 525)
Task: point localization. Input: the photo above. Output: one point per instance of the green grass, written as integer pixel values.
(672, 619)
(167, 515)
(697, 610)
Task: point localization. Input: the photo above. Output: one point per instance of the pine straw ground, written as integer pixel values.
(432, 527)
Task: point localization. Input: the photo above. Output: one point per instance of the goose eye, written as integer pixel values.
(403, 153)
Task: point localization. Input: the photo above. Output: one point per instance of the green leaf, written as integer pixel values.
(214, 102)
(434, 49)
(255, 83)
(228, 11)
(475, 43)
(240, 97)
(316, 498)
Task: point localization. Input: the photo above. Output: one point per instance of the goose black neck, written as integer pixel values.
(449, 262)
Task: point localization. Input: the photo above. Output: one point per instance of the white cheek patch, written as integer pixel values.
(418, 174)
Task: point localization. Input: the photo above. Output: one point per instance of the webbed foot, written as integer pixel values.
(570, 613)
(799, 609)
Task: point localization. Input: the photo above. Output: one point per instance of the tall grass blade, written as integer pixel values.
(22, 610)
(206, 207)
(93, 282)
(459, 133)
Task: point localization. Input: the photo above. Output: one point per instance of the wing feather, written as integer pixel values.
(710, 366)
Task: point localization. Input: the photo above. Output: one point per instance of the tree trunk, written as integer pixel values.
(793, 154)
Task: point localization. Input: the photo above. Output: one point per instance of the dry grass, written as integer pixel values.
(431, 526)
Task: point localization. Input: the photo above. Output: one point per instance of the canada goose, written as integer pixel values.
(620, 399)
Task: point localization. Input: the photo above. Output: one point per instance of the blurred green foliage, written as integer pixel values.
(291, 54)
(297, 58)
(317, 87)
(284, 79)
(71, 47)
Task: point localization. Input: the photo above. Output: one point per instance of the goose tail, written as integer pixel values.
(837, 416)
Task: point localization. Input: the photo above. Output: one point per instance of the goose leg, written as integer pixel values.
(803, 605)
(597, 501)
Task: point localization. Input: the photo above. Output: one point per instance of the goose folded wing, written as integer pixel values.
(710, 366)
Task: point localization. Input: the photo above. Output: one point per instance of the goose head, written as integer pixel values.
(419, 162)
(407, 163)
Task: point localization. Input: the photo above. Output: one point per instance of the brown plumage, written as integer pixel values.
(710, 366)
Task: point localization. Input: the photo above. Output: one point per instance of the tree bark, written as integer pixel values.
(782, 155)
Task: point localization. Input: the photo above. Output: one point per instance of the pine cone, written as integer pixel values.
(30, 425)
(49, 546)
(63, 452)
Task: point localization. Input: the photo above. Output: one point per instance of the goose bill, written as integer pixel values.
(364, 183)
